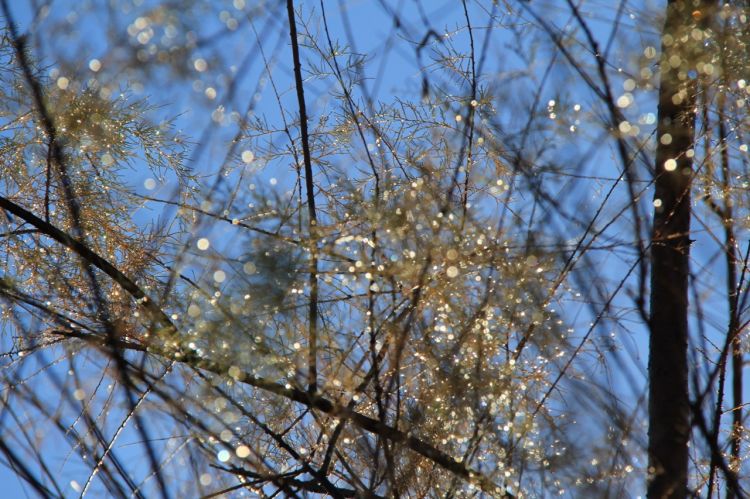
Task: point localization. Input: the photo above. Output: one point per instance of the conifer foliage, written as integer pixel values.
(472, 248)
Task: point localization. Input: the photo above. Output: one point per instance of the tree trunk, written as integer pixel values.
(669, 406)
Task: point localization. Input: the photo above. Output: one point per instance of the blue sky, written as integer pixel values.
(191, 96)
(391, 72)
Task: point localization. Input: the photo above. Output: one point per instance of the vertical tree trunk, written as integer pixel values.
(669, 408)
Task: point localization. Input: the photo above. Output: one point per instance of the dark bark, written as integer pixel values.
(669, 404)
(312, 214)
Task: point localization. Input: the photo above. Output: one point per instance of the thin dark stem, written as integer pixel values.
(309, 186)
(730, 250)
(469, 116)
